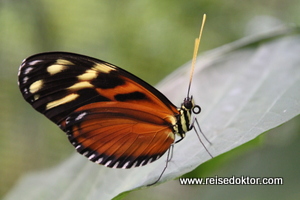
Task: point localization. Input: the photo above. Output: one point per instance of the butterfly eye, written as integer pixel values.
(188, 103)
(196, 109)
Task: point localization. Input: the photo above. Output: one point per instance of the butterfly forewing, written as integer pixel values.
(110, 116)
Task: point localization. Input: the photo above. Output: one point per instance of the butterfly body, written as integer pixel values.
(111, 116)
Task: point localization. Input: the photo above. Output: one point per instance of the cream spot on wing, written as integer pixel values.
(150, 160)
(59, 66)
(36, 97)
(80, 85)
(63, 62)
(36, 86)
(23, 63)
(66, 99)
(80, 116)
(125, 165)
(135, 164)
(107, 163)
(116, 165)
(34, 62)
(103, 68)
(99, 160)
(56, 68)
(88, 75)
(67, 120)
(25, 79)
(28, 70)
(91, 156)
(142, 163)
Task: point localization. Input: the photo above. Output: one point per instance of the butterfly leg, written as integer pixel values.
(193, 127)
(169, 157)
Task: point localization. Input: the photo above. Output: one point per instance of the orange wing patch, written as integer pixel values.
(119, 135)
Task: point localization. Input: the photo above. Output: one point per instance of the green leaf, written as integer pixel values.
(244, 88)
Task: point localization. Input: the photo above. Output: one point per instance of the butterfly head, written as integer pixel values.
(189, 105)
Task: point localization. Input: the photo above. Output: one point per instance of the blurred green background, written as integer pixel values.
(149, 39)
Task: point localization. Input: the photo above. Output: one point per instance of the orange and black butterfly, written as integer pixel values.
(109, 115)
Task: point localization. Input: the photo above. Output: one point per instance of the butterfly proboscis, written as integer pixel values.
(188, 103)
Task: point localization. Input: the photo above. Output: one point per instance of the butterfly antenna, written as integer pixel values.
(196, 47)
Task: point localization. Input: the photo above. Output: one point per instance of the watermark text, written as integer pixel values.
(234, 180)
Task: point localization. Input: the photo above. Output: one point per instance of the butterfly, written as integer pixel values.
(110, 116)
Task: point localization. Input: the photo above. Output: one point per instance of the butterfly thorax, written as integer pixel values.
(183, 124)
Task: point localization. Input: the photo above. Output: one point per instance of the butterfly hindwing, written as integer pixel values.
(136, 136)
(111, 116)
